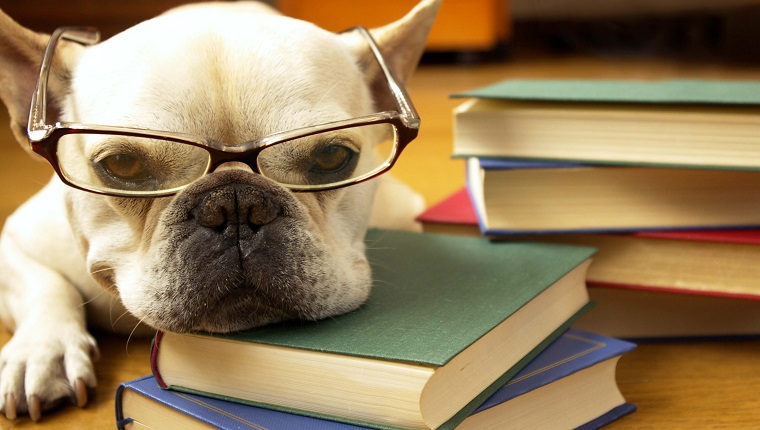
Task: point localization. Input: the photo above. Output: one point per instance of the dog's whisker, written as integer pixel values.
(105, 269)
(131, 333)
(116, 321)
(110, 310)
(97, 296)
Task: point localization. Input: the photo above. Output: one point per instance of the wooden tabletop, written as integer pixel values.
(676, 385)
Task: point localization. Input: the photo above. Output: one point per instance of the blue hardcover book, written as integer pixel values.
(513, 197)
(571, 384)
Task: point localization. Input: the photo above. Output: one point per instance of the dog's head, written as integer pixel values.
(233, 249)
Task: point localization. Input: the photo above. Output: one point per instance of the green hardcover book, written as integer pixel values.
(448, 321)
(684, 123)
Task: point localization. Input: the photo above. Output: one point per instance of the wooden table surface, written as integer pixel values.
(676, 385)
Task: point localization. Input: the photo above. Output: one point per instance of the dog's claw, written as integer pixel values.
(95, 353)
(35, 408)
(10, 407)
(80, 393)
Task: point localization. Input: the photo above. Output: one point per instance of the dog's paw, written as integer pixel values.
(39, 372)
(396, 206)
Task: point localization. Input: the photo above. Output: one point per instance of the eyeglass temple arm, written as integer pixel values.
(38, 108)
(404, 102)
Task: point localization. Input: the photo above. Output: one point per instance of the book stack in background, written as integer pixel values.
(662, 177)
(459, 332)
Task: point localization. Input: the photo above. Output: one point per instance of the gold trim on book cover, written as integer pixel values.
(221, 411)
(597, 345)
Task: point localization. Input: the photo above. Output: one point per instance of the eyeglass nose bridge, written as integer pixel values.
(232, 165)
(243, 160)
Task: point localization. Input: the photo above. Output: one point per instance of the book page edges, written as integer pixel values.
(365, 389)
(475, 403)
(633, 198)
(569, 401)
(726, 138)
(502, 347)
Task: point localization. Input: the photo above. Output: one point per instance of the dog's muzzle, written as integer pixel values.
(236, 252)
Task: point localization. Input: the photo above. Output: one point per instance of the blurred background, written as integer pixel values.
(725, 28)
(474, 43)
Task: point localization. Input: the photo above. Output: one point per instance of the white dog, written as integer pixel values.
(204, 197)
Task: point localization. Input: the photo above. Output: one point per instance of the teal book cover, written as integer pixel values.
(678, 91)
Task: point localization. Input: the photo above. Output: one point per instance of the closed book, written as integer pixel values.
(527, 197)
(650, 284)
(448, 321)
(703, 123)
(569, 385)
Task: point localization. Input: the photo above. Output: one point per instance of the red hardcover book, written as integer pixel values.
(653, 283)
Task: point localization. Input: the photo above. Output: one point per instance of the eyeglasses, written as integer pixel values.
(135, 162)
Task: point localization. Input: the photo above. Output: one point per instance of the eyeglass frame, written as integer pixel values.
(43, 138)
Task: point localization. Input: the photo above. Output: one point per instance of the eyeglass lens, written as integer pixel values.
(127, 164)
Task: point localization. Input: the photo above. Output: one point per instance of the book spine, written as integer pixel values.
(121, 422)
(154, 351)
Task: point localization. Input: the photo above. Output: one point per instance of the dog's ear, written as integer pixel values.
(21, 52)
(401, 43)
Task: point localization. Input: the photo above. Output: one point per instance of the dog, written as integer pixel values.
(250, 240)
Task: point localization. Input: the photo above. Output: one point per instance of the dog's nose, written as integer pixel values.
(235, 204)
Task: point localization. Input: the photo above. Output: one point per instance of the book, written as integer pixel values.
(650, 313)
(518, 196)
(143, 404)
(448, 321)
(700, 123)
(650, 284)
(453, 215)
(571, 384)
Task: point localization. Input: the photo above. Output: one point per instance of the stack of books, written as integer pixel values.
(459, 332)
(663, 177)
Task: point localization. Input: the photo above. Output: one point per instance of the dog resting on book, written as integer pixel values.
(223, 179)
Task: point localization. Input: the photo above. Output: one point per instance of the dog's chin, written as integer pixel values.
(234, 313)
(245, 307)
(235, 251)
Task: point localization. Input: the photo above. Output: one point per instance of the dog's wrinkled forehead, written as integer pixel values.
(228, 76)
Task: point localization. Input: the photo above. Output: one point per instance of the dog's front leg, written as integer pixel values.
(49, 358)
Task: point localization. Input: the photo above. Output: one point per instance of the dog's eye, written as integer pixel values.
(332, 158)
(124, 166)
